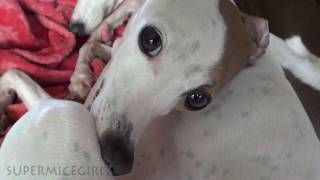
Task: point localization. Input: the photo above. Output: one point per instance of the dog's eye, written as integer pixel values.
(197, 99)
(150, 41)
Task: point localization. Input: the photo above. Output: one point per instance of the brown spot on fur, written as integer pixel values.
(190, 154)
(206, 133)
(76, 147)
(289, 155)
(212, 171)
(245, 114)
(86, 156)
(162, 152)
(274, 168)
(45, 135)
(237, 48)
(198, 164)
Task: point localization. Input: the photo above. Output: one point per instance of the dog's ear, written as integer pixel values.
(258, 30)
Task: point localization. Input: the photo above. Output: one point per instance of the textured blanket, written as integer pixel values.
(34, 38)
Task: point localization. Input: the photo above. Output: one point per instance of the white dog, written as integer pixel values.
(167, 65)
(160, 65)
(255, 128)
(56, 139)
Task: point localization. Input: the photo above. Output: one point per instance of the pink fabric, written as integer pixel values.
(34, 38)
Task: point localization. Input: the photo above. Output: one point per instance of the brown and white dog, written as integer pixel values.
(172, 60)
(160, 65)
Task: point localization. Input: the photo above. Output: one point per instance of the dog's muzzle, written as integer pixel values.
(117, 151)
(77, 28)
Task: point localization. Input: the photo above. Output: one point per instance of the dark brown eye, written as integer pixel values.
(197, 100)
(150, 42)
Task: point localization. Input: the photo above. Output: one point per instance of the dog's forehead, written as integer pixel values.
(190, 9)
(195, 38)
(194, 45)
(183, 12)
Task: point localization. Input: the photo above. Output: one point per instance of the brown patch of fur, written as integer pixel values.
(238, 46)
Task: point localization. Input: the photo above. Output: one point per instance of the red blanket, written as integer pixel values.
(34, 38)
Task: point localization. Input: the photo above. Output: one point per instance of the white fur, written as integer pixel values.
(54, 140)
(92, 12)
(299, 61)
(82, 78)
(142, 88)
(296, 44)
(54, 134)
(256, 129)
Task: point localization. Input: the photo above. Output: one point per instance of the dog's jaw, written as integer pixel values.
(88, 15)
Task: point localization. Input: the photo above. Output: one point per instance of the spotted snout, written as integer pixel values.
(87, 16)
(77, 28)
(117, 149)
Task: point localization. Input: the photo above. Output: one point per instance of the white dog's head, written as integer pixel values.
(174, 55)
(88, 14)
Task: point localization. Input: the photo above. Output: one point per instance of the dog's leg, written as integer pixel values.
(59, 133)
(82, 78)
(124, 12)
(15, 81)
(302, 68)
(28, 90)
(88, 14)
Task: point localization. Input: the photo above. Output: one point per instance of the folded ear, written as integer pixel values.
(258, 30)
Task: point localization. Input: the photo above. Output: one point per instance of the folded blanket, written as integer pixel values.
(34, 38)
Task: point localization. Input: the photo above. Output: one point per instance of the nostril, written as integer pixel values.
(117, 152)
(77, 27)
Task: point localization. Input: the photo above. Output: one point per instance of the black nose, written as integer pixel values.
(118, 153)
(77, 28)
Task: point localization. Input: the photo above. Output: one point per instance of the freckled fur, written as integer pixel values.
(147, 97)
